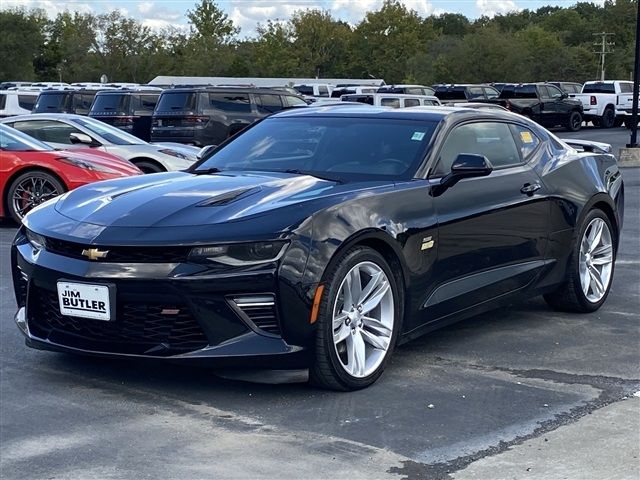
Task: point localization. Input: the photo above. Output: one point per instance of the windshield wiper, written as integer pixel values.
(321, 177)
(207, 171)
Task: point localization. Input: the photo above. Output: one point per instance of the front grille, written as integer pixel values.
(120, 254)
(20, 282)
(259, 310)
(151, 328)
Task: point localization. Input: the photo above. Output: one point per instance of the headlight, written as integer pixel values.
(240, 254)
(173, 153)
(86, 164)
(36, 240)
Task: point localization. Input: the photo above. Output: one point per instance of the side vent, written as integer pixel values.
(258, 311)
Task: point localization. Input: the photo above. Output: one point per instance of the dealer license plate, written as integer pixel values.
(84, 300)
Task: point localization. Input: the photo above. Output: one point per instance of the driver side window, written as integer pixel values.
(47, 130)
(490, 139)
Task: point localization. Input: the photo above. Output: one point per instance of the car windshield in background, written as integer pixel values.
(599, 88)
(304, 90)
(451, 94)
(110, 103)
(15, 141)
(176, 102)
(111, 134)
(345, 149)
(50, 101)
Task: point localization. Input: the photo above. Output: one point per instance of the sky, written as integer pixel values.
(248, 13)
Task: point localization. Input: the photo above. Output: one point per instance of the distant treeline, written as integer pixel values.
(393, 43)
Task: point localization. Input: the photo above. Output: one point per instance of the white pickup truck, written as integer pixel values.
(607, 104)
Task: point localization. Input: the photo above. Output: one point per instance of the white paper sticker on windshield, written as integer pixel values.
(417, 136)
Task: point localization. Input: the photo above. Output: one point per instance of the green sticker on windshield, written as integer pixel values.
(417, 136)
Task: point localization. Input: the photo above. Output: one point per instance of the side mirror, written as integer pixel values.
(206, 151)
(466, 165)
(564, 95)
(81, 138)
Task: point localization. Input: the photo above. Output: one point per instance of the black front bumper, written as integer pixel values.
(167, 311)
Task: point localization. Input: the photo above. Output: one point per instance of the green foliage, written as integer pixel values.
(393, 42)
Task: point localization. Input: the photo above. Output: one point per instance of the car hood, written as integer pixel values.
(101, 158)
(179, 199)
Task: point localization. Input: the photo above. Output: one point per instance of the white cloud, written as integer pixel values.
(145, 7)
(491, 8)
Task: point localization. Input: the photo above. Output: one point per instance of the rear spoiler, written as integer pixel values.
(589, 146)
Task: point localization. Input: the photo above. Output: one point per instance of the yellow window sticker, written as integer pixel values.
(526, 137)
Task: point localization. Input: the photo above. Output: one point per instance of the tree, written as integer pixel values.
(320, 42)
(208, 21)
(21, 41)
(273, 52)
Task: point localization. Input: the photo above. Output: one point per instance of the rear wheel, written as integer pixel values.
(575, 121)
(590, 270)
(30, 190)
(608, 118)
(628, 123)
(148, 167)
(358, 323)
(618, 122)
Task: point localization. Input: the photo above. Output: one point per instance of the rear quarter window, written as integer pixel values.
(3, 101)
(527, 141)
(626, 87)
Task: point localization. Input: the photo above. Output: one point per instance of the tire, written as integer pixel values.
(608, 118)
(628, 123)
(572, 296)
(149, 167)
(595, 122)
(29, 190)
(618, 122)
(335, 364)
(575, 122)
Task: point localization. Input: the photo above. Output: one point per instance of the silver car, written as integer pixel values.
(61, 130)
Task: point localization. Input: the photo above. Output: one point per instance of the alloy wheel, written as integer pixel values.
(363, 319)
(31, 192)
(596, 260)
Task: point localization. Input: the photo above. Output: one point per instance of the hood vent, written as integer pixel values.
(228, 197)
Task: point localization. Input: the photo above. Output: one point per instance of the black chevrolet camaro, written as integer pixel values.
(322, 238)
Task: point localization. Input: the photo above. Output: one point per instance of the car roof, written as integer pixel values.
(47, 116)
(126, 91)
(427, 113)
(262, 91)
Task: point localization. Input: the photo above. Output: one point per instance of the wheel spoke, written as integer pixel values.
(376, 325)
(355, 284)
(595, 236)
(346, 293)
(595, 281)
(375, 341)
(339, 320)
(376, 296)
(342, 334)
(359, 354)
(585, 280)
(374, 281)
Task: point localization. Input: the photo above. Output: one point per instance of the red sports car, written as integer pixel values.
(32, 172)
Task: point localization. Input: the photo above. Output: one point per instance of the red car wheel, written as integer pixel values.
(30, 190)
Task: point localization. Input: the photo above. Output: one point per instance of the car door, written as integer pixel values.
(561, 107)
(492, 231)
(548, 107)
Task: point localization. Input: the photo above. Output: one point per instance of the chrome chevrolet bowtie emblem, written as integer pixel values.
(94, 253)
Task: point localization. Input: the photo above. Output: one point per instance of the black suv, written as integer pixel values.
(544, 103)
(128, 110)
(208, 116)
(65, 101)
(456, 93)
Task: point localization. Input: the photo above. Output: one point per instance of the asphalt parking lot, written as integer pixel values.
(509, 394)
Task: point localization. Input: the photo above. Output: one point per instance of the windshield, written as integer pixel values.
(352, 149)
(15, 141)
(50, 102)
(110, 102)
(110, 134)
(176, 101)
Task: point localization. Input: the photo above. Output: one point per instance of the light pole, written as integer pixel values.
(633, 143)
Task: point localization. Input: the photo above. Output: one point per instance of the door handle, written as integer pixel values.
(530, 188)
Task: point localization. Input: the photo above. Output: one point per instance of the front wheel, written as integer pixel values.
(149, 167)
(358, 323)
(30, 190)
(590, 270)
(574, 122)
